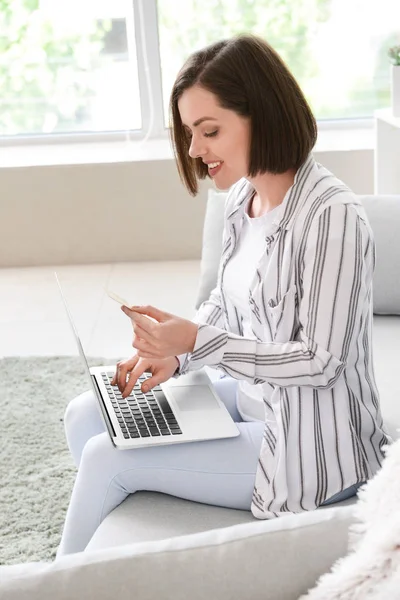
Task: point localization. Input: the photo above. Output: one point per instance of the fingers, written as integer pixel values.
(145, 349)
(151, 354)
(139, 331)
(133, 376)
(134, 368)
(141, 321)
(122, 374)
(152, 312)
(114, 380)
(141, 344)
(162, 374)
(122, 369)
(153, 381)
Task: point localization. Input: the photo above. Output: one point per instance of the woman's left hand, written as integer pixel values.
(168, 335)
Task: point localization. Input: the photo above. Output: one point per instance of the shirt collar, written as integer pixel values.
(304, 178)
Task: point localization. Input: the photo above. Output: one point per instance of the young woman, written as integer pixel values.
(289, 323)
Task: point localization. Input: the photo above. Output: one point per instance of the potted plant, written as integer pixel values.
(394, 54)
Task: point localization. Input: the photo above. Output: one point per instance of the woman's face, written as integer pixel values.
(220, 137)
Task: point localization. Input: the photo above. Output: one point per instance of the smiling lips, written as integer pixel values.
(214, 167)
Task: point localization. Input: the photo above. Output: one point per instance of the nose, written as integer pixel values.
(196, 148)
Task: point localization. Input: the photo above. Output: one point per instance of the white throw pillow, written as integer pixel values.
(384, 216)
(212, 244)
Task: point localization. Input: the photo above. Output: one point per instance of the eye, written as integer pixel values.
(212, 134)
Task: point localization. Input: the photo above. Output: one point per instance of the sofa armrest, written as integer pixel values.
(278, 559)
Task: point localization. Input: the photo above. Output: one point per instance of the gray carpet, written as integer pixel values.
(37, 472)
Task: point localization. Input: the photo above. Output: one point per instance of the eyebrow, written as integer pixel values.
(199, 121)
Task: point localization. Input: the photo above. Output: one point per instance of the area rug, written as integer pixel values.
(36, 470)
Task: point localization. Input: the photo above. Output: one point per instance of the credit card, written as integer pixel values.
(118, 298)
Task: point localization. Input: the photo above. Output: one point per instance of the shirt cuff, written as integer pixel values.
(183, 359)
(209, 348)
(202, 355)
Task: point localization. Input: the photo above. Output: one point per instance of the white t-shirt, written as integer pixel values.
(238, 275)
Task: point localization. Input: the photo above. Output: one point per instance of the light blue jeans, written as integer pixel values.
(218, 472)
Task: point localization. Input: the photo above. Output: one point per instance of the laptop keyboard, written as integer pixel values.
(141, 414)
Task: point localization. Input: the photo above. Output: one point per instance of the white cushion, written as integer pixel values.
(278, 559)
(212, 244)
(384, 216)
(386, 353)
(148, 516)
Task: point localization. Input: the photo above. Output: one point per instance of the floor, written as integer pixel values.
(33, 320)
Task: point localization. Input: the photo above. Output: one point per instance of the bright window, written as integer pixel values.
(336, 49)
(67, 67)
(95, 66)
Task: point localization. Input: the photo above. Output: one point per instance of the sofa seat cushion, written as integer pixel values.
(278, 559)
(148, 516)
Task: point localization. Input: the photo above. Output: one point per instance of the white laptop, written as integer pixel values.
(186, 409)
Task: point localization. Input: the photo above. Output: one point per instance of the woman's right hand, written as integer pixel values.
(128, 371)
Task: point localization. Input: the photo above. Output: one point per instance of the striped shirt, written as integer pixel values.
(238, 275)
(311, 350)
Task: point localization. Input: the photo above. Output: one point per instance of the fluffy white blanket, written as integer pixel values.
(371, 569)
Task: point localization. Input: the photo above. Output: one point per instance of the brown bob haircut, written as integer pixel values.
(250, 78)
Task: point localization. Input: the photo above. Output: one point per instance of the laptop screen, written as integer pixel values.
(75, 333)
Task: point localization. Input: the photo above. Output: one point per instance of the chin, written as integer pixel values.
(225, 184)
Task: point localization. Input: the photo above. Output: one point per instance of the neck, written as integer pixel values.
(270, 190)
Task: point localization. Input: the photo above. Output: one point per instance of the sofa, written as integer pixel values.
(158, 546)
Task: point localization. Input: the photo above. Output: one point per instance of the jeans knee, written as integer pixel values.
(98, 448)
(77, 410)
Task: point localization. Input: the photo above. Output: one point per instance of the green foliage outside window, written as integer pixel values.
(50, 68)
(46, 72)
(287, 26)
(290, 27)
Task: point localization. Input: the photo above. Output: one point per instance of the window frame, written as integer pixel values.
(145, 18)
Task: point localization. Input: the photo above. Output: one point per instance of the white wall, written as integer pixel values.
(122, 211)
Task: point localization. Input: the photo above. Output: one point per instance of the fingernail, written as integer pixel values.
(145, 388)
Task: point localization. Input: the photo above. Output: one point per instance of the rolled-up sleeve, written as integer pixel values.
(335, 293)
